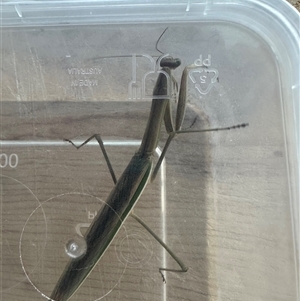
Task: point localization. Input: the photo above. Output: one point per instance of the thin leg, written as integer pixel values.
(182, 269)
(173, 134)
(173, 131)
(162, 156)
(101, 144)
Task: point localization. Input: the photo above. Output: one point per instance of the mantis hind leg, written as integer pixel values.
(101, 144)
(182, 266)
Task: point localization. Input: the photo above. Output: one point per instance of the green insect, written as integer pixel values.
(129, 187)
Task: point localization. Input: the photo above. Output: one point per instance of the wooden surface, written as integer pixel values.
(295, 3)
(226, 219)
(227, 211)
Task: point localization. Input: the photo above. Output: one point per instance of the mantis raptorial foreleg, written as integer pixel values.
(174, 130)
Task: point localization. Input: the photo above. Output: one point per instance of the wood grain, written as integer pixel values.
(213, 222)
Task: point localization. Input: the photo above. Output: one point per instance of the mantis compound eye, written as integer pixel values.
(170, 62)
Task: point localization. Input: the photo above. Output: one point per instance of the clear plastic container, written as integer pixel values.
(227, 203)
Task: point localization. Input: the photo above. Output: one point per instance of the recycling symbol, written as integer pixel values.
(203, 78)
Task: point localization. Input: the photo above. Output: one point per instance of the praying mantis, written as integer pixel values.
(129, 187)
